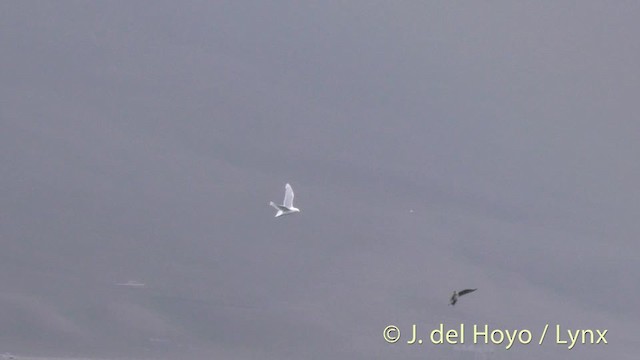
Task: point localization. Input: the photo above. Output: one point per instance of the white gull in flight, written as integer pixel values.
(287, 207)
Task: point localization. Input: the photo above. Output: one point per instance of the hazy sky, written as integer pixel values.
(143, 140)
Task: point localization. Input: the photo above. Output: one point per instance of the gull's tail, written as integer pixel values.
(279, 213)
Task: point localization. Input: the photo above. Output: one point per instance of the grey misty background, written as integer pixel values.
(143, 141)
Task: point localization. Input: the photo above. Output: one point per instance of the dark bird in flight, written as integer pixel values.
(454, 297)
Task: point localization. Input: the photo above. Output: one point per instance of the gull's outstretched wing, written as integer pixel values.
(466, 291)
(288, 196)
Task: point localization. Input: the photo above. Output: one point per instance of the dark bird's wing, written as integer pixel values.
(466, 291)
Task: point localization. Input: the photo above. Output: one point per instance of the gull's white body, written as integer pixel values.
(287, 206)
